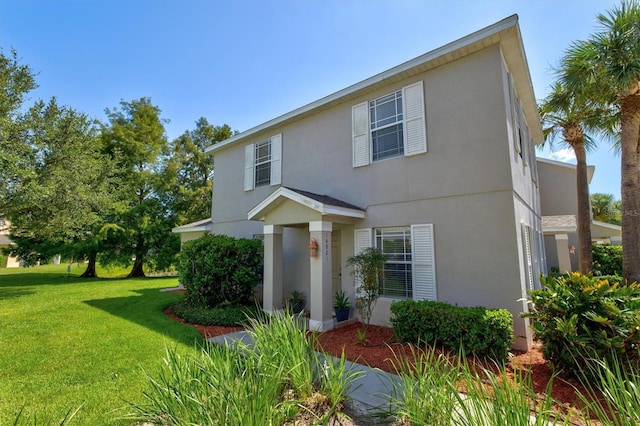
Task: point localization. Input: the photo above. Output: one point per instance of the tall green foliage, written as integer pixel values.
(67, 190)
(135, 137)
(579, 317)
(16, 81)
(220, 270)
(188, 172)
(605, 208)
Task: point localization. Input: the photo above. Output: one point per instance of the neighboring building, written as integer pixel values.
(559, 200)
(191, 231)
(5, 242)
(431, 161)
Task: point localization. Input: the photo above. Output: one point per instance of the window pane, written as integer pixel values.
(387, 142)
(396, 280)
(386, 110)
(263, 152)
(395, 244)
(263, 174)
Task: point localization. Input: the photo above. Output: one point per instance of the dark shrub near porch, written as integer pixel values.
(218, 270)
(475, 330)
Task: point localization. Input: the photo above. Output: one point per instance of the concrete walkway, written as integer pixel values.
(367, 394)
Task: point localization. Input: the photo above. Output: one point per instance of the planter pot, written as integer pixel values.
(298, 306)
(342, 315)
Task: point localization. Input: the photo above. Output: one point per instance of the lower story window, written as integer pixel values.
(395, 244)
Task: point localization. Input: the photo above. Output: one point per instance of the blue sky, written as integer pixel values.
(244, 62)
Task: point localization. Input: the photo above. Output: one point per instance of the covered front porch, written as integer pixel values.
(325, 219)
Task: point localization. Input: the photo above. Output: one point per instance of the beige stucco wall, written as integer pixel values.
(467, 185)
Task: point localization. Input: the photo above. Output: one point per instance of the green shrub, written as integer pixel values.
(607, 259)
(579, 317)
(226, 316)
(476, 330)
(219, 270)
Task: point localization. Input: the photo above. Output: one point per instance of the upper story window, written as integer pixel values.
(386, 120)
(263, 163)
(390, 126)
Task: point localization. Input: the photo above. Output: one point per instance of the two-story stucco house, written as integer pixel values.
(431, 161)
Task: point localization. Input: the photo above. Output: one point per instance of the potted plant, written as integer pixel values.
(341, 306)
(296, 301)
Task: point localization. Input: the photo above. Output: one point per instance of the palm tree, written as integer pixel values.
(566, 117)
(605, 208)
(607, 65)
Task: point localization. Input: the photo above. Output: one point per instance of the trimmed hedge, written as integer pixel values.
(607, 259)
(476, 330)
(227, 316)
(218, 270)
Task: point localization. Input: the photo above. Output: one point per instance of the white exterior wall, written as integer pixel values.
(467, 185)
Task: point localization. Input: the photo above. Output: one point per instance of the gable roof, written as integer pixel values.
(323, 204)
(505, 32)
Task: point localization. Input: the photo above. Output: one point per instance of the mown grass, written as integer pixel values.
(67, 342)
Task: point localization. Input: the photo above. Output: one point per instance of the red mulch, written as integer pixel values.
(382, 347)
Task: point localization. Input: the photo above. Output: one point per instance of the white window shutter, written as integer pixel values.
(249, 152)
(528, 258)
(361, 241)
(424, 264)
(512, 115)
(276, 159)
(415, 135)
(360, 129)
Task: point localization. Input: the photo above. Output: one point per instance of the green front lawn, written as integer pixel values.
(67, 342)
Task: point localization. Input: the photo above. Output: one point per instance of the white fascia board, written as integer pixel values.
(467, 41)
(201, 228)
(606, 225)
(560, 230)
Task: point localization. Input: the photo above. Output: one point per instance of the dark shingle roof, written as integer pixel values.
(325, 199)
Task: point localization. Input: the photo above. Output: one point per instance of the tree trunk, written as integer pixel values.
(137, 270)
(630, 188)
(90, 272)
(583, 220)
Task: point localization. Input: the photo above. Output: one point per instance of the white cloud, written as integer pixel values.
(565, 155)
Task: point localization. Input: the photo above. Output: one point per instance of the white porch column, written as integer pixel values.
(562, 248)
(272, 284)
(320, 269)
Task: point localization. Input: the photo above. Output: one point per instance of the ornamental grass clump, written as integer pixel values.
(579, 318)
(275, 381)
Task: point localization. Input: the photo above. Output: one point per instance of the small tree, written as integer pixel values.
(367, 271)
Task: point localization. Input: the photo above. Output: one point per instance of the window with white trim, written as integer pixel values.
(386, 121)
(410, 270)
(389, 126)
(263, 163)
(397, 274)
